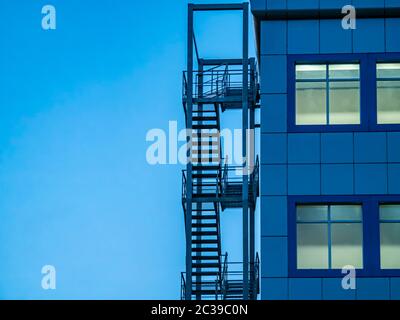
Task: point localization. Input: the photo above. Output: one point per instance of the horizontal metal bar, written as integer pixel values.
(217, 7)
(212, 62)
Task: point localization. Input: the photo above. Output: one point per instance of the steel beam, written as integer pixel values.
(219, 7)
(245, 126)
(189, 181)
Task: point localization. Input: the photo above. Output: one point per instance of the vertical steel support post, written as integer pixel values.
(245, 116)
(189, 182)
(252, 151)
(199, 187)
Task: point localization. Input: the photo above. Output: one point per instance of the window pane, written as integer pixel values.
(346, 213)
(388, 102)
(311, 103)
(344, 102)
(344, 71)
(389, 212)
(388, 70)
(346, 245)
(310, 71)
(312, 213)
(390, 245)
(312, 246)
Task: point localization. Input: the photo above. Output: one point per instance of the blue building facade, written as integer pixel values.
(330, 148)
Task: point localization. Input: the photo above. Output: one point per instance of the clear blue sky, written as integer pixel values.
(76, 103)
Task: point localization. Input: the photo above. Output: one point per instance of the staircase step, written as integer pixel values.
(204, 175)
(205, 217)
(203, 118)
(204, 225)
(203, 111)
(205, 168)
(204, 233)
(204, 126)
(205, 241)
(205, 258)
(205, 273)
(205, 265)
(205, 249)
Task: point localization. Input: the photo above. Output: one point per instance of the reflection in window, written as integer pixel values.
(327, 94)
(390, 236)
(329, 236)
(388, 96)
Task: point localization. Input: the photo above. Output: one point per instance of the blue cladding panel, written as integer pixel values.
(276, 4)
(368, 3)
(337, 179)
(273, 74)
(273, 216)
(274, 289)
(373, 289)
(304, 179)
(395, 288)
(393, 146)
(273, 37)
(332, 290)
(392, 35)
(371, 178)
(333, 4)
(369, 36)
(273, 148)
(337, 148)
(258, 5)
(274, 113)
(392, 3)
(275, 260)
(304, 148)
(370, 147)
(303, 36)
(394, 178)
(305, 289)
(274, 180)
(303, 4)
(333, 38)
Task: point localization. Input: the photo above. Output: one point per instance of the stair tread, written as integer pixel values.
(205, 258)
(205, 249)
(205, 241)
(204, 225)
(204, 233)
(206, 265)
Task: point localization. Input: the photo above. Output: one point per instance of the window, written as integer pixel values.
(329, 236)
(388, 93)
(327, 94)
(389, 216)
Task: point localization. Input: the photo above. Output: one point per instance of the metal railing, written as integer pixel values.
(220, 81)
(230, 272)
(228, 175)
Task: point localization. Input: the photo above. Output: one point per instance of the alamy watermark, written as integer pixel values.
(202, 147)
(49, 20)
(49, 277)
(349, 21)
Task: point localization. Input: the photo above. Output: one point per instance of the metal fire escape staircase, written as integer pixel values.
(210, 184)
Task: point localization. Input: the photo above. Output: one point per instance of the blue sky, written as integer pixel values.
(75, 106)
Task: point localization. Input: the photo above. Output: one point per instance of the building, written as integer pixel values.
(330, 148)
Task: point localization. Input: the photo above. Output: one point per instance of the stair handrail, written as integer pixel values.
(256, 287)
(224, 277)
(255, 179)
(225, 176)
(226, 78)
(184, 190)
(183, 286)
